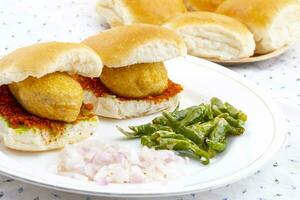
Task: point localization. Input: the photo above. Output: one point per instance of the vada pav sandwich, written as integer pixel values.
(122, 12)
(211, 35)
(134, 81)
(41, 105)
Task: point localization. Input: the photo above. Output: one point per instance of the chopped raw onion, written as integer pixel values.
(111, 163)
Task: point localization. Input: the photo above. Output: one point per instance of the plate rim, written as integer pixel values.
(252, 59)
(269, 153)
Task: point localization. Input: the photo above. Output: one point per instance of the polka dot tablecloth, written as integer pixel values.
(24, 22)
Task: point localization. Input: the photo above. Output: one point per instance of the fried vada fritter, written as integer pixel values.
(55, 96)
(136, 81)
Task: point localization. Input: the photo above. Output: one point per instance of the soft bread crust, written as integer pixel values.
(274, 23)
(202, 5)
(111, 107)
(213, 35)
(134, 44)
(122, 12)
(41, 140)
(41, 59)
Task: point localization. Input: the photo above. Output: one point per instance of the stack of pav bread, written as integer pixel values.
(217, 29)
(52, 93)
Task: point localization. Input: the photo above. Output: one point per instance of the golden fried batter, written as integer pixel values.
(55, 96)
(136, 81)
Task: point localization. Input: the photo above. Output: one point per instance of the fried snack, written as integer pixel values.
(55, 96)
(136, 81)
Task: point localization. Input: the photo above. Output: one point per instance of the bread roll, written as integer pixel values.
(202, 5)
(274, 23)
(121, 12)
(111, 107)
(211, 35)
(42, 140)
(45, 58)
(135, 44)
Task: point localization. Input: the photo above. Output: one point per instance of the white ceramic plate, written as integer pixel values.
(202, 80)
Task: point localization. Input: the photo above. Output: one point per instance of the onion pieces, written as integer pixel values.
(111, 163)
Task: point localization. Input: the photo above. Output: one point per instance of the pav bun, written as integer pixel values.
(124, 12)
(36, 140)
(135, 44)
(212, 35)
(274, 23)
(111, 107)
(41, 59)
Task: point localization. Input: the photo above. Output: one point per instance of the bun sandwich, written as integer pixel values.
(212, 35)
(122, 12)
(274, 23)
(134, 81)
(41, 105)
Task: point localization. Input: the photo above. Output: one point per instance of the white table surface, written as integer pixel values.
(24, 22)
